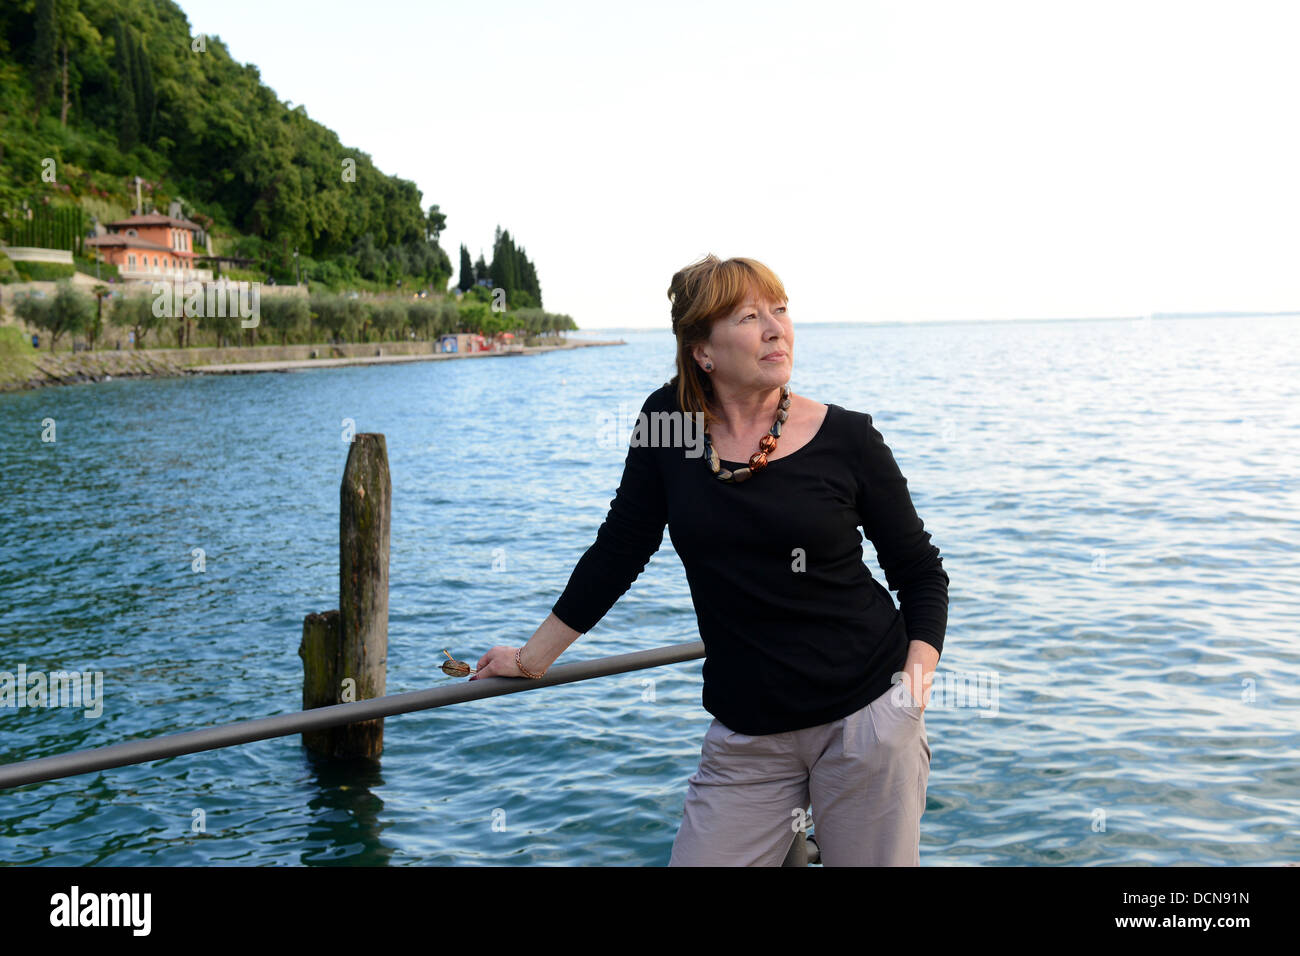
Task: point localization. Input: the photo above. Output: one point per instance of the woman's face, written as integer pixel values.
(753, 347)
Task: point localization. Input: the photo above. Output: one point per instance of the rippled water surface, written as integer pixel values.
(1117, 503)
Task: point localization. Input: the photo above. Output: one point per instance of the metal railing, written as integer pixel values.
(282, 725)
(802, 851)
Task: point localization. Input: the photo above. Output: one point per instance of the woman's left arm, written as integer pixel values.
(912, 564)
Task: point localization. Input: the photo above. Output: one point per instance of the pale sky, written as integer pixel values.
(890, 161)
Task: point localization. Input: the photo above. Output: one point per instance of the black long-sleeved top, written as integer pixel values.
(796, 631)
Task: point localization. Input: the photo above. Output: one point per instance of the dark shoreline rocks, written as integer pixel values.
(83, 367)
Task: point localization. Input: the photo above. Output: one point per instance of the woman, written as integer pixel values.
(803, 647)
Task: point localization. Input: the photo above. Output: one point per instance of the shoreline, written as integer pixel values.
(107, 365)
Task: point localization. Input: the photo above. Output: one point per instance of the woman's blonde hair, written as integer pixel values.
(701, 293)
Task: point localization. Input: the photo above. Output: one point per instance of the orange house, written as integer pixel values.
(151, 246)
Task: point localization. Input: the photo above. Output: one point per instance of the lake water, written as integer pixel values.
(1117, 504)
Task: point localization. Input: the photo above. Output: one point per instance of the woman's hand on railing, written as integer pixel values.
(540, 651)
(498, 662)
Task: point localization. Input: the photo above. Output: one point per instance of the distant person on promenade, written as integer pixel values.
(815, 679)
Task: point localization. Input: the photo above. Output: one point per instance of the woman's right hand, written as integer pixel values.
(498, 662)
(546, 645)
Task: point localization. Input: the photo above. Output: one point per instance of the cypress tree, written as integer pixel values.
(496, 272)
(147, 98)
(516, 267)
(128, 120)
(137, 84)
(466, 270)
(502, 262)
(530, 283)
(44, 50)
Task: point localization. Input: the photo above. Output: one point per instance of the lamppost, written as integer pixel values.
(296, 267)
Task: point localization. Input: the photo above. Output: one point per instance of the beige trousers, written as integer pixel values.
(865, 775)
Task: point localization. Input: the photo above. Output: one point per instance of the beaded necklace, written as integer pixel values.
(766, 445)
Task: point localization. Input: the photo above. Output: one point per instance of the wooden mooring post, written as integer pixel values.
(345, 652)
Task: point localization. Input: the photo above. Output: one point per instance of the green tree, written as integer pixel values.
(75, 34)
(44, 63)
(422, 317)
(448, 317)
(327, 313)
(466, 280)
(387, 317)
(135, 74)
(528, 280)
(370, 261)
(511, 271)
(146, 97)
(33, 310)
(399, 263)
(285, 315)
(128, 119)
(69, 311)
(436, 223)
(100, 292)
(225, 328)
(473, 316)
(135, 312)
(479, 293)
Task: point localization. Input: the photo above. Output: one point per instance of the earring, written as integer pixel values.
(708, 366)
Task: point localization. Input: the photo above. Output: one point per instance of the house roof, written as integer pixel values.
(155, 219)
(120, 240)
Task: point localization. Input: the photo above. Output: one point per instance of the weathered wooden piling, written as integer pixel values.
(345, 652)
(320, 687)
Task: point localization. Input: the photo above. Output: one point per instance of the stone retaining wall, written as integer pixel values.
(67, 368)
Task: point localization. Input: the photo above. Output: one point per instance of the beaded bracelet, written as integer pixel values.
(519, 663)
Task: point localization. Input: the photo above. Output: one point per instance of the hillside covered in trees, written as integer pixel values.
(94, 93)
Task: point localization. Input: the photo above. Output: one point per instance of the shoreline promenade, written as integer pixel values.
(295, 365)
(40, 370)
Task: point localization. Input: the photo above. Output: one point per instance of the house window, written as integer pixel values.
(131, 260)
